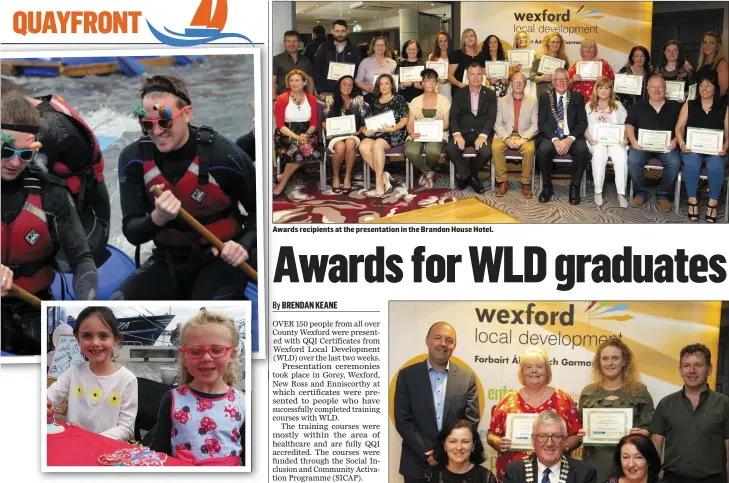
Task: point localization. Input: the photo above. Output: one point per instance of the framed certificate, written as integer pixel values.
(429, 130)
(339, 69)
(519, 430)
(497, 70)
(691, 93)
(589, 70)
(548, 64)
(675, 90)
(374, 123)
(394, 78)
(654, 140)
(610, 133)
(704, 141)
(341, 126)
(411, 74)
(523, 57)
(439, 66)
(628, 84)
(605, 426)
(465, 78)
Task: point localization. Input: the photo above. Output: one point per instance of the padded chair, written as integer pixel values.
(511, 155)
(703, 174)
(149, 394)
(321, 135)
(469, 152)
(566, 159)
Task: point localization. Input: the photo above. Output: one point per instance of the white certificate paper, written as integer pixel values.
(523, 57)
(497, 70)
(628, 84)
(411, 74)
(675, 90)
(610, 133)
(394, 78)
(605, 426)
(589, 70)
(338, 70)
(374, 123)
(691, 93)
(519, 430)
(341, 126)
(704, 141)
(654, 140)
(429, 130)
(548, 64)
(439, 66)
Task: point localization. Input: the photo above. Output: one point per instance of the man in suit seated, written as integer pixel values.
(472, 118)
(516, 126)
(562, 125)
(430, 395)
(548, 464)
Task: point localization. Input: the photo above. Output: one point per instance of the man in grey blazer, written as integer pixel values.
(517, 123)
(428, 396)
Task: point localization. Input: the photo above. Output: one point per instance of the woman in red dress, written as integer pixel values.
(588, 52)
(535, 373)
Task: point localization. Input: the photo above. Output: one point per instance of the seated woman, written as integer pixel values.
(588, 52)
(461, 454)
(344, 102)
(376, 142)
(707, 111)
(603, 108)
(295, 138)
(429, 105)
(636, 461)
(412, 56)
(639, 63)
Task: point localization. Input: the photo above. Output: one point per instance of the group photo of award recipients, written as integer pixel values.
(473, 103)
(623, 434)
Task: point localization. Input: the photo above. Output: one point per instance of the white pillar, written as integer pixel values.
(409, 26)
(284, 18)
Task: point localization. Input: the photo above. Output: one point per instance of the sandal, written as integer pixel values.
(430, 179)
(347, 189)
(388, 183)
(695, 215)
(712, 209)
(336, 190)
(421, 181)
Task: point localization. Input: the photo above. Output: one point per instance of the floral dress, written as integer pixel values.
(586, 87)
(400, 109)
(559, 401)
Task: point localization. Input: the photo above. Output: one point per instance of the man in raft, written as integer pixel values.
(200, 171)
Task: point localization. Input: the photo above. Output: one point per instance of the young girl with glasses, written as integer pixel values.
(202, 420)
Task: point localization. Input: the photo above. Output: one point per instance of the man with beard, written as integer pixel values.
(336, 49)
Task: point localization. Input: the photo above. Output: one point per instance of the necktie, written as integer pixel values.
(545, 479)
(560, 117)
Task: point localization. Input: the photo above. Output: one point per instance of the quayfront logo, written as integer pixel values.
(608, 311)
(206, 26)
(530, 316)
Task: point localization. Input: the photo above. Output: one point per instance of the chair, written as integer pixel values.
(469, 152)
(149, 395)
(511, 155)
(566, 159)
(703, 174)
(390, 153)
(321, 135)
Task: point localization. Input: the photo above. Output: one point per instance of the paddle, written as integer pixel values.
(25, 296)
(205, 233)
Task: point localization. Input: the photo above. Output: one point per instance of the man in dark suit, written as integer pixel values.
(472, 119)
(562, 126)
(428, 396)
(548, 464)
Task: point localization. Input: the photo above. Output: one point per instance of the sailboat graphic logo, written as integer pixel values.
(206, 26)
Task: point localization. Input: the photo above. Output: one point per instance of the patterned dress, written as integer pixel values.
(559, 401)
(401, 110)
(586, 87)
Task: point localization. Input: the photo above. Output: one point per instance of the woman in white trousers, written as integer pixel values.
(604, 108)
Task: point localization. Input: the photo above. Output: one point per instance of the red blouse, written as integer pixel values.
(560, 402)
(586, 87)
(279, 109)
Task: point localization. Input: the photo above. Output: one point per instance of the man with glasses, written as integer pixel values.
(562, 126)
(38, 218)
(548, 463)
(199, 171)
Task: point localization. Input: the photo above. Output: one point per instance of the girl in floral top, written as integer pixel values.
(674, 67)
(535, 373)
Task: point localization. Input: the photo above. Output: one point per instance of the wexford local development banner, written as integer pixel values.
(615, 26)
(491, 337)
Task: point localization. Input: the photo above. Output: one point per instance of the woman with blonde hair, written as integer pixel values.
(588, 53)
(379, 62)
(468, 53)
(604, 108)
(535, 396)
(552, 45)
(711, 58)
(523, 42)
(616, 386)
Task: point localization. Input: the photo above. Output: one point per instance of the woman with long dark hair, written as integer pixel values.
(673, 65)
(495, 53)
(636, 461)
(440, 53)
(460, 454)
(639, 63)
(411, 56)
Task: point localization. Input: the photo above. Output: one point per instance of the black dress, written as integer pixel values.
(410, 93)
(462, 59)
(627, 100)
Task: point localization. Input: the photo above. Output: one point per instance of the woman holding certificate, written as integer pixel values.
(441, 52)
(616, 387)
(425, 112)
(584, 73)
(385, 129)
(411, 59)
(535, 373)
(461, 454)
(674, 67)
(712, 58)
(606, 139)
(702, 132)
(552, 46)
(295, 138)
(344, 102)
(639, 63)
(495, 53)
(636, 460)
(461, 58)
(379, 62)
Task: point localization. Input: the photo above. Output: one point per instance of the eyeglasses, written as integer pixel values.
(560, 79)
(25, 155)
(556, 438)
(215, 351)
(163, 122)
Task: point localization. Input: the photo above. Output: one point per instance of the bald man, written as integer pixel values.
(428, 396)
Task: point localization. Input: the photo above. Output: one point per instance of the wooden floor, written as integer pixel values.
(471, 210)
(148, 370)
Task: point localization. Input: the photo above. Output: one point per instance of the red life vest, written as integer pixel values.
(205, 201)
(74, 179)
(27, 246)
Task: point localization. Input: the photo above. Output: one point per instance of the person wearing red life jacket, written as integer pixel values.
(72, 153)
(38, 218)
(200, 171)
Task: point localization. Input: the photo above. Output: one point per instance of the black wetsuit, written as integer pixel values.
(63, 141)
(247, 144)
(186, 272)
(21, 334)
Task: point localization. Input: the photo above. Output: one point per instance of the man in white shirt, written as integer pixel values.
(548, 463)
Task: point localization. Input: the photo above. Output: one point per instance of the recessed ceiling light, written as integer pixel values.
(375, 17)
(318, 21)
